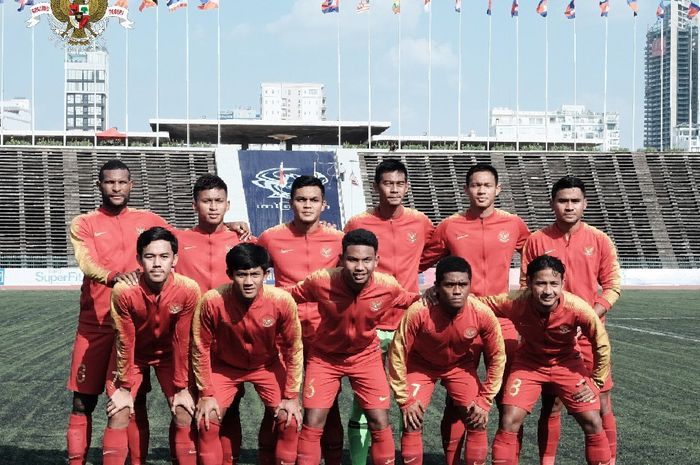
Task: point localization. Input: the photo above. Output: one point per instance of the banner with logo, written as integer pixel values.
(264, 184)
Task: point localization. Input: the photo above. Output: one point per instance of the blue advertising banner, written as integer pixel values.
(263, 184)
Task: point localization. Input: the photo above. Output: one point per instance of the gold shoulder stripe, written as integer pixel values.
(385, 279)
(275, 293)
(185, 281)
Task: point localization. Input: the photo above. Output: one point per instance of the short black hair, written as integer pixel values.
(450, 264)
(305, 181)
(389, 166)
(112, 165)
(360, 237)
(568, 182)
(544, 262)
(206, 182)
(478, 168)
(247, 256)
(156, 233)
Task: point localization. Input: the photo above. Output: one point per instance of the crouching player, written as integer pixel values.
(546, 317)
(433, 343)
(152, 320)
(247, 319)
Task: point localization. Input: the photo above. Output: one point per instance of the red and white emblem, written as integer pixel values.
(412, 237)
(267, 321)
(588, 251)
(174, 309)
(470, 333)
(375, 306)
(565, 329)
(326, 252)
(504, 236)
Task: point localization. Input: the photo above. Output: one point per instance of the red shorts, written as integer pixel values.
(462, 384)
(365, 371)
(227, 381)
(525, 383)
(92, 351)
(586, 350)
(140, 378)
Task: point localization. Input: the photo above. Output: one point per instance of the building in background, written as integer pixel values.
(568, 124)
(239, 112)
(16, 114)
(284, 101)
(671, 96)
(87, 90)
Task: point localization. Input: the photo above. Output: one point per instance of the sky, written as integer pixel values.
(292, 41)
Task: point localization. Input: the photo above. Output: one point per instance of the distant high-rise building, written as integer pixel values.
(16, 114)
(292, 102)
(671, 94)
(87, 90)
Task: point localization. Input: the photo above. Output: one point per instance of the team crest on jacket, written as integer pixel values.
(326, 252)
(267, 321)
(175, 308)
(565, 329)
(412, 237)
(504, 236)
(470, 333)
(588, 251)
(375, 306)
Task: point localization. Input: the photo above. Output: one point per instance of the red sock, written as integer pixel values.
(504, 449)
(597, 449)
(185, 449)
(231, 437)
(548, 433)
(78, 438)
(412, 447)
(287, 442)
(309, 450)
(332, 439)
(452, 431)
(521, 433)
(610, 428)
(267, 437)
(477, 447)
(115, 446)
(138, 435)
(383, 450)
(209, 444)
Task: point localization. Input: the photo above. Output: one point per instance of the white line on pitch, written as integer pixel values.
(671, 318)
(654, 333)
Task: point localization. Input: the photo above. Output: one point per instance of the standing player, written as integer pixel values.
(547, 317)
(152, 321)
(352, 299)
(297, 249)
(104, 242)
(247, 320)
(402, 233)
(591, 262)
(434, 343)
(486, 237)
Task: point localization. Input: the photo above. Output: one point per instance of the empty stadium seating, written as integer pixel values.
(648, 203)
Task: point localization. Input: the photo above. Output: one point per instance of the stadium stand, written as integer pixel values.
(648, 203)
(42, 189)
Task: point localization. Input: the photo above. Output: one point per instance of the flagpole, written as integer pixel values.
(459, 86)
(661, 88)
(575, 91)
(33, 87)
(546, 83)
(517, 82)
(400, 80)
(340, 140)
(488, 92)
(94, 94)
(369, 79)
(187, 69)
(157, 76)
(430, 71)
(634, 77)
(605, 91)
(2, 75)
(126, 86)
(65, 94)
(690, 88)
(281, 204)
(218, 74)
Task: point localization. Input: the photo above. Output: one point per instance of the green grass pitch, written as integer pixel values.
(656, 357)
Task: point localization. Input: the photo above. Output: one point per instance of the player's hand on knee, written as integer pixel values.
(413, 415)
(584, 393)
(293, 410)
(207, 409)
(477, 417)
(182, 398)
(120, 400)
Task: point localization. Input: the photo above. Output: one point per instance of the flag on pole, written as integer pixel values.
(174, 5)
(23, 3)
(208, 4)
(514, 9)
(362, 6)
(148, 4)
(693, 9)
(542, 8)
(488, 8)
(396, 6)
(604, 8)
(633, 4)
(330, 6)
(458, 6)
(426, 5)
(570, 11)
(660, 10)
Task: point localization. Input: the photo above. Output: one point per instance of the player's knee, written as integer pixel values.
(377, 419)
(182, 417)
(512, 419)
(315, 417)
(590, 422)
(84, 403)
(119, 420)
